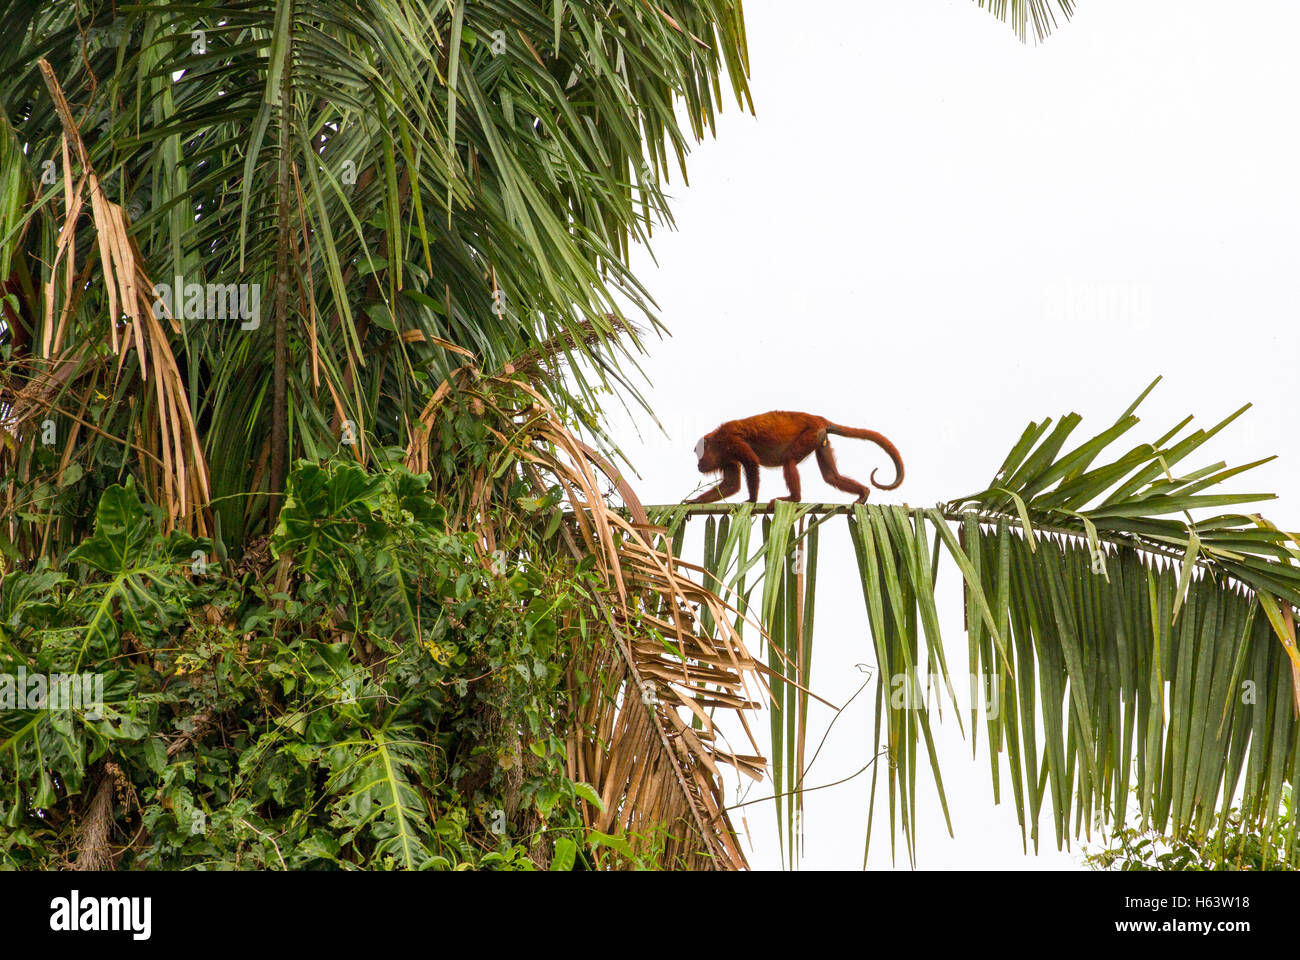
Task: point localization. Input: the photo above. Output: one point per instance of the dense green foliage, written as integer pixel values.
(388, 193)
(399, 706)
(1235, 845)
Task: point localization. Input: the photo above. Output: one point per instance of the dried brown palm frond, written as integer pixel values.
(176, 470)
(652, 765)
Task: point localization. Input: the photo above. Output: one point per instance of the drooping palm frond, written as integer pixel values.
(1162, 629)
(177, 470)
(785, 564)
(643, 731)
(1131, 650)
(396, 182)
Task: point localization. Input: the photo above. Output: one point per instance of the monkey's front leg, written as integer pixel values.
(791, 471)
(729, 485)
(710, 495)
(751, 476)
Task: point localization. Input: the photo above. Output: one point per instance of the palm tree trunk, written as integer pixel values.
(280, 400)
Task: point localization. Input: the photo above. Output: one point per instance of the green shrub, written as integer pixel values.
(399, 702)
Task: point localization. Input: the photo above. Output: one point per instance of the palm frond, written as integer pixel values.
(1132, 649)
(423, 178)
(1021, 13)
(651, 766)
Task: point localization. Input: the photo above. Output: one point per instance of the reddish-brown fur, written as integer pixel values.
(782, 438)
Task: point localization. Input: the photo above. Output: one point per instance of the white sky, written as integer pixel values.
(890, 244)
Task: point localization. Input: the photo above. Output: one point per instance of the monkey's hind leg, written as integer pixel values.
(826, 461)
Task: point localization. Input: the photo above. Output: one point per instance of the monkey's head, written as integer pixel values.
(706, 454)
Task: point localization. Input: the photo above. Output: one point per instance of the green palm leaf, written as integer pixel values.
(1133, 649)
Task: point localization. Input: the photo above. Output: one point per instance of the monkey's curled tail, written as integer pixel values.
(880, 440)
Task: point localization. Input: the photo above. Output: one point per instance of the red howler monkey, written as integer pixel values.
(781, 438)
